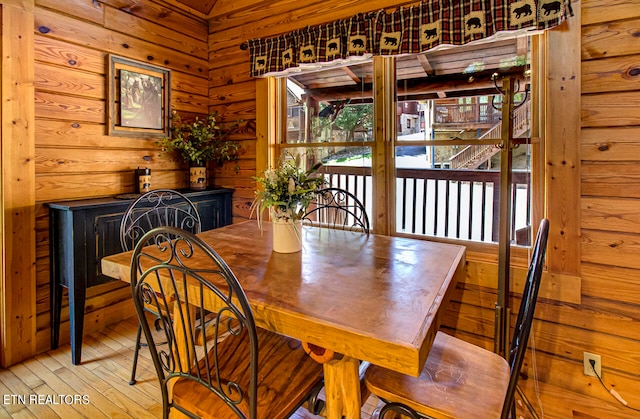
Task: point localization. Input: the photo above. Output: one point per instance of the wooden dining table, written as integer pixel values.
(364, 297)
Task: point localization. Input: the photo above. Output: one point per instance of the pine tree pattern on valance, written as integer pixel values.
(406, 30)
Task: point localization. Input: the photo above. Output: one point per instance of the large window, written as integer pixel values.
(443, 166)
(448, 172)
(332, 126)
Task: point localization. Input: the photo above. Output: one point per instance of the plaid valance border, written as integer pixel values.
(406, 30)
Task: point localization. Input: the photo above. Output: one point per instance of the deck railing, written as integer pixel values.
(461, 204)
(473, 155)
(482, 113)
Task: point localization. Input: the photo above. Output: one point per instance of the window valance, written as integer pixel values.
(406, 30)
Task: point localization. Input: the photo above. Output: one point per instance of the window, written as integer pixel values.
(336, 129)
(447, 183)
(444, 167)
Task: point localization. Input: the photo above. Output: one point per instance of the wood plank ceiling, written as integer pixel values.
(203, 6)
(452, 72)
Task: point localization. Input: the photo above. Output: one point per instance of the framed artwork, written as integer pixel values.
(139, 97)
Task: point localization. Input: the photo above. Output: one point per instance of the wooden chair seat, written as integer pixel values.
(240, 370)
(459, 380)
(279, 395)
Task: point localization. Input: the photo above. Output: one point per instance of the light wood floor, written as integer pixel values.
(51, 387)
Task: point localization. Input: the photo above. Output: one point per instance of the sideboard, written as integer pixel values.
(81, 232)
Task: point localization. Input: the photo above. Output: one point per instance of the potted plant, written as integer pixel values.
(286, 192)
(199, 141)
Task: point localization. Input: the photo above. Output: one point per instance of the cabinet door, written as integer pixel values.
(214, 208)
(107, 242)
(211, 213)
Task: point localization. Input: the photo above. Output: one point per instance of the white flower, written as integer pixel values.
(287, 190)
(271, 176)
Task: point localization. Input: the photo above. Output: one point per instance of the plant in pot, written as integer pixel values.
(199, 141)
(286, 192)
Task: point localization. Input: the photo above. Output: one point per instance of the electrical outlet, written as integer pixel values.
(587, 365)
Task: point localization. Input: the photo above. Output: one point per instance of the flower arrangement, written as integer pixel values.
(200, 140)
(287, 190)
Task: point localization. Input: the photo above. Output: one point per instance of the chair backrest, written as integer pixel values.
(176, 265)
(337, 208)
(525, 314)
(161, 207)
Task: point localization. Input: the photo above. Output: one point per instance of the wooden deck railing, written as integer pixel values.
(460, 204)
(473, 155)
(482, 113)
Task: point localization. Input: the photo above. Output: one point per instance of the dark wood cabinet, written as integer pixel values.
(84, 231)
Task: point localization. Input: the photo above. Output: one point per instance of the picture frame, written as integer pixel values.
(139, 98)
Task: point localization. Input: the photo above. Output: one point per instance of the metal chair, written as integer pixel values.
(240, 370)
(337, 208)
(460, 379)
(162, 207)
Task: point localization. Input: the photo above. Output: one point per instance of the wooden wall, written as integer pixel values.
(595, 282)
(74, 156)
(231, 90)
(17, 230)
(608, 320)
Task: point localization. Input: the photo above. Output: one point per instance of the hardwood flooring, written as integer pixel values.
(49, 386)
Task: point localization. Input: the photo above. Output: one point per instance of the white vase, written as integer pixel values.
(287, 236)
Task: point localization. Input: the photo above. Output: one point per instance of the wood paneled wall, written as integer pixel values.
(608, 320)
(17, 237)
(601, 311)
(231, 90)
(74, 156)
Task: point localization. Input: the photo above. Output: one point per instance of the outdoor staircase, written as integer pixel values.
(472, 156)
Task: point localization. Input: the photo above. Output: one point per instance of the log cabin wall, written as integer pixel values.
(594, 273)
(608, 320)
(74, 157)
(17, 219)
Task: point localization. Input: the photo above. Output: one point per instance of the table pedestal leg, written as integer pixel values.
(342, 388)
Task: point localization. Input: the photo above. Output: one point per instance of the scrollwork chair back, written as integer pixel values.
(161, 207)
(339, 209)
(218, 379)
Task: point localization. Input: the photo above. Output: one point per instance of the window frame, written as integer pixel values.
(383, 167)
(557, 193)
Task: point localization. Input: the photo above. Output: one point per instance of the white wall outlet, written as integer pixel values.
(587, 365)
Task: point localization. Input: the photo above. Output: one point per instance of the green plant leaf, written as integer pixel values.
(200, 140)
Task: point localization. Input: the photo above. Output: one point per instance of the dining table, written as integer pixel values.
(362, 297)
